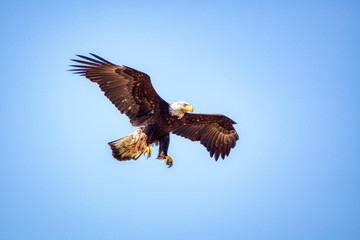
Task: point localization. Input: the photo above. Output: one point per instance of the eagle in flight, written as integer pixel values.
(132, 93)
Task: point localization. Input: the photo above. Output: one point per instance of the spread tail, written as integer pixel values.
(129, 147)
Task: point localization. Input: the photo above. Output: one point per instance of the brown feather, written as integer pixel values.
(129, 90)
(214, 131)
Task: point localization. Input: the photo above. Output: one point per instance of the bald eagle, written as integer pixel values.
(132, 93)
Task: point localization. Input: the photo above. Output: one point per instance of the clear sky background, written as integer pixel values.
(288, 72)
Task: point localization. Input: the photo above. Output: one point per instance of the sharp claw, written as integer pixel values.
(147, 151)
(169, 161)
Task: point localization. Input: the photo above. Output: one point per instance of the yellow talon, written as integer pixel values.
(148, 152)
(169, 161)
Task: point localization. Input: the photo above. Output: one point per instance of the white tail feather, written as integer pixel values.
(129, 147)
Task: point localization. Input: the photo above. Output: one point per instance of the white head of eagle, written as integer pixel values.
(180, 108)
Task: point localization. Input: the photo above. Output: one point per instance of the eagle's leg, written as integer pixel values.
(148, 131)
(164, 145)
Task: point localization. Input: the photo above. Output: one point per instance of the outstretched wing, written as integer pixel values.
(215, 132)
(128, 89)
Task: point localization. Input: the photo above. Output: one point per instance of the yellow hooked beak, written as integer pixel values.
(189, 108)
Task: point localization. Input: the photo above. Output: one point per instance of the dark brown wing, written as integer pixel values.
(128, 89)
(215, 132)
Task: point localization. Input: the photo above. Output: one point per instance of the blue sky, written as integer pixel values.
(287, 72)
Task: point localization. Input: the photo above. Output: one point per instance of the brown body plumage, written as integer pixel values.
(132, 93)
